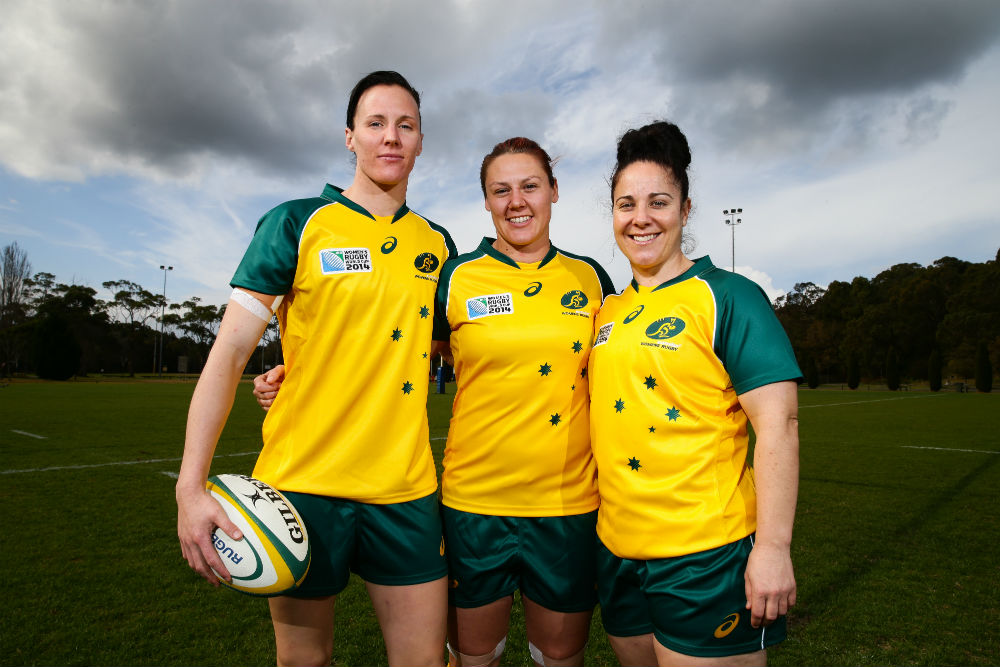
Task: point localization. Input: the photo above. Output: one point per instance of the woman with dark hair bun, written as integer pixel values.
(694, 561)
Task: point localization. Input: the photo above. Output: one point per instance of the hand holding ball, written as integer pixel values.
(273, 556)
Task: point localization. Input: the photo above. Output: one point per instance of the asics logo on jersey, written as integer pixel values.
(345, 260)
(727, 626)
(491, 304)
(389, 245)
(574, 299)
(426, 262)
(533, 289)
(634, 314)
(665, 327)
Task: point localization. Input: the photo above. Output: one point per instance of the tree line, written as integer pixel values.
(938, 323)
(56, 331)
(910, 323)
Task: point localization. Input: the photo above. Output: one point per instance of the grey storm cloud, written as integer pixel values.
(788, 71)
(92, 86)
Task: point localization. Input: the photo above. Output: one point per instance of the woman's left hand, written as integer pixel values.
(770, 583)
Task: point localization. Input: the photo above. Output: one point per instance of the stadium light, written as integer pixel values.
(163, 304)
(732, 221)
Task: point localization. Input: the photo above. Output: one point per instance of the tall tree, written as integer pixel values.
(892, 370)
(14, 271)
(934, 370)
(853, 371)
(984, 369)
(200, 322)
(133, 307)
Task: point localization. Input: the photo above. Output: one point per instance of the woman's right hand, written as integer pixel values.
(198, 514)
(266, 386)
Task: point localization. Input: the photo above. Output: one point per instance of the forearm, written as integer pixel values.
(214, 394)
(773, 412)
(776, 473)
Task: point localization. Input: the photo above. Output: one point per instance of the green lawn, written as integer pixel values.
(895, 545)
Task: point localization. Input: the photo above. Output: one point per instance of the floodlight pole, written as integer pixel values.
(732, 221)
(163, 304)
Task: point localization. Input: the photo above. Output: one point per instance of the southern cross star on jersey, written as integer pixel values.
(619, 405)
(577, 346)
(407, 387)
(650, 382)
(544, 369)
(634, 464)
(396, 335)
(555, 419)
(424, 312)
(673, 414)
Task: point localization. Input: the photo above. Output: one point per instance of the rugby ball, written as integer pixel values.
(273, 555)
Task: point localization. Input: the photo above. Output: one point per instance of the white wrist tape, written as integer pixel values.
(252, 305)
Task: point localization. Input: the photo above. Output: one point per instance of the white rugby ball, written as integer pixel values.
(273, 555)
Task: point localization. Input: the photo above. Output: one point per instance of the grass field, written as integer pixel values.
(896, 543)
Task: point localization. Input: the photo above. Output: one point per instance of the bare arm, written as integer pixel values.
(197, 512)
(770, 580)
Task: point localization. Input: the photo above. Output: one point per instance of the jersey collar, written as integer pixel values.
(335, 194)
(486, 247)
(700, 265)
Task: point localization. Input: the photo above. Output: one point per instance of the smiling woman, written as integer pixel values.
(685, 358)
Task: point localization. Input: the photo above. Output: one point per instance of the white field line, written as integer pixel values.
(950, 449)
(113, 463)
(877, 400)
(30, 435)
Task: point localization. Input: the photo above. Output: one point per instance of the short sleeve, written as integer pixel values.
(750, 341)
(268, 266)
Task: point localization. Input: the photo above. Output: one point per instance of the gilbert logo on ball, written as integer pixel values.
(273, 556)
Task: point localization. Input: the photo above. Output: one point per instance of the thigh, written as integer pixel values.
(482, 553)
(478, 630)
(635, 651)
(413, 621)
(558, 562)
(400, 544)
(698, 604)
(303, 629)
(559, 635)
(667, 658)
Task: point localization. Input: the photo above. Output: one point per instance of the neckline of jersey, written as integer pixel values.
(699, 265)
(335, 194)
(486, 246)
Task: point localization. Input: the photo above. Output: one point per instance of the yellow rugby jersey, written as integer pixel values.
(519, 441)
(350, 420)
(668, 432)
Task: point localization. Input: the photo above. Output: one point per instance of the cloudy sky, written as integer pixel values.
(854, 134)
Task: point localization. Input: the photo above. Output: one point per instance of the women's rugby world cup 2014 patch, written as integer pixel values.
(491, 304)
(345, 260)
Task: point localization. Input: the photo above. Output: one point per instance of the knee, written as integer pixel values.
(304, 655)
(557, 652)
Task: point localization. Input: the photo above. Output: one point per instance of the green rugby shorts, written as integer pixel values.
(550, 559)
(694, 605)
(398, 544)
